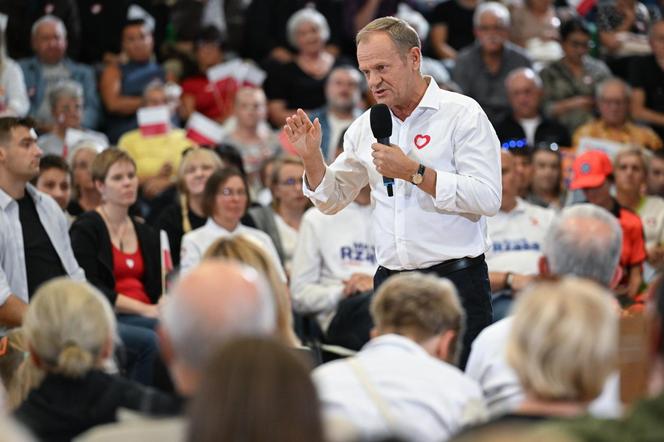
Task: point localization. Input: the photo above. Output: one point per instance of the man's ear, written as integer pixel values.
(445, 348)
(415, 57)
(543, 266)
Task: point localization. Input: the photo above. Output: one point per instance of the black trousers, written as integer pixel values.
(470, 276)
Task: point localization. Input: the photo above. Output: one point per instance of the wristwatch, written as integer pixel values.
(509, 278)
(419, 176)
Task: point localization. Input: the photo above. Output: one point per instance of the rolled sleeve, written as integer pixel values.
(476, 185)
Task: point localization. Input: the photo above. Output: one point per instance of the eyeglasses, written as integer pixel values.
(228, 192)
(291, 182)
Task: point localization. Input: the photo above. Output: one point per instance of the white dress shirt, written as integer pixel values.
(448, 133)
(13, 274)
(428, 399)
(196, 243)
(487, 364)
(330, 249)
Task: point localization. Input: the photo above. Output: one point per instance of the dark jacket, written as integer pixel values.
(92, 247)
(62, 408)
(547, 132)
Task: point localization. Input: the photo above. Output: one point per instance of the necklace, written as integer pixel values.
(118, 232)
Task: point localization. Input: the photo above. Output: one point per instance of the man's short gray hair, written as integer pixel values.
(496, 9)
(584, 240)
(306, 15)
(153, 85)
(599, 89)
(65, 89)
(194, 337)
(47, 19)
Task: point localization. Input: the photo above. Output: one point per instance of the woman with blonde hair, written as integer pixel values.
(70, 329)
(85, 196)
(186, 213)
(18, 374)
(247, 251)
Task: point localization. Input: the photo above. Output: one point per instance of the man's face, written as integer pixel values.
(629, 174)
(491, 33)
(156, 97)
(613, 104)
(391, 76)
(49, 42)
(524, 96)
(656, 177)
(510, 179)
(546, 171)
(343, 90)
(57, 183)
(523, 169)
(137, 43)
(250, 107)
(68, 112)
(600, 195)
(19, 157)
(657, 40)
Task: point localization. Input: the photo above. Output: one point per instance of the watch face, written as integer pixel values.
(417, 179)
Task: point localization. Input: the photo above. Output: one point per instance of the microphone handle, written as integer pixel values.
(387, 182)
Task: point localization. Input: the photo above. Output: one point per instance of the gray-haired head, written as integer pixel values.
(584, 240)
(306, 15)
(494, 8)
(65, 89)
(524, 73)
(613, 81)
(214, 302)
(48, 19)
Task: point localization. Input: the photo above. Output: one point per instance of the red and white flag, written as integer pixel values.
(154, 120)
(166, 260)
(254, 76)
(204, 131)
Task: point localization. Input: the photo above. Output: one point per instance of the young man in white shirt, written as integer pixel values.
(444, 157)
(403, 382)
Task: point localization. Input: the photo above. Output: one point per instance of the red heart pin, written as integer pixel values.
(421, 141)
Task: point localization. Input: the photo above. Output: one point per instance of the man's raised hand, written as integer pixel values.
(304, 135)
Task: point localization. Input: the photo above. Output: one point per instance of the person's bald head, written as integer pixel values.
(216, 301)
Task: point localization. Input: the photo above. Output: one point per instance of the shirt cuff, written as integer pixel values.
(446, 190)
(324, 190)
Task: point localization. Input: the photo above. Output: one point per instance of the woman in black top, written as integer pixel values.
(70, 328)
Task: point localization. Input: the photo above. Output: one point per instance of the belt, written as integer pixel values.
(445, 267)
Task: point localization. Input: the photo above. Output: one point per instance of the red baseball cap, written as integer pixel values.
(590, 169)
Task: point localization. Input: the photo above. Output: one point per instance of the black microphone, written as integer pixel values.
(381, 126)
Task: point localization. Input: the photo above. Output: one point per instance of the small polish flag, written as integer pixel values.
(166, 261)
(254, 76)
(154, 120)
(204, 131)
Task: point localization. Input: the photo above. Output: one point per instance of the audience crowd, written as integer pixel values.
(164, 277)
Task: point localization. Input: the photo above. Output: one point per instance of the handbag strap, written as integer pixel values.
(375, 397)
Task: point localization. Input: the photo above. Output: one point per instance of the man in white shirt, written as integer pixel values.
(584, 240)
(444, 157)
(517, 233)
(34, 239)
(402, 382)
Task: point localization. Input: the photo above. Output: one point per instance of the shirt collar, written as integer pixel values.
(216, 227)
(430, 100)
(394, 340)
(6, 200)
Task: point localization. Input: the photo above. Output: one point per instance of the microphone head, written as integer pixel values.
(381, 121)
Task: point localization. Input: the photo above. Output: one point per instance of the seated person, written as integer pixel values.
(120, 254)
(547, 187)
(51, 66)
(54, 179)
(334, 259)
(646, 77)
(517, 232)
(631, 165)
(614, 122)
(535, 26)
(186, 212)
(66, 102)
(121, 85)
(526, 122)
(71, 330)
(157, 157)
(593, 173)
(655, 178)
(198, 94)
(481, 69)
(451, 27)
(14, 100)
(85, 196)
(251, 135)
(283, 217)
(408, 364)
(225, 201)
